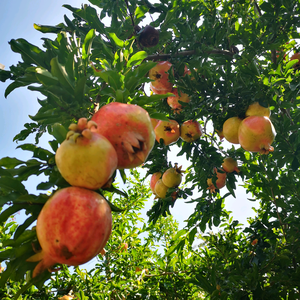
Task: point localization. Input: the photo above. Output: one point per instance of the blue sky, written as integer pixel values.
(17, 21)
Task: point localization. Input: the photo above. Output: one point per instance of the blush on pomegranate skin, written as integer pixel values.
(72, 228)
(129, 129)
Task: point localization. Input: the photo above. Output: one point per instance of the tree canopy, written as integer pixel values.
(225, 55)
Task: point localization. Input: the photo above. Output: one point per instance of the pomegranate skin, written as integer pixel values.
(86, 162)
(256, 134)
(129, 129)
(73, 227)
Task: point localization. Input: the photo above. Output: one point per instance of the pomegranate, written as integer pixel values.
(72, 227)
(173, 101)
(160, 189)
(190, 131)
(229, 165)
(220, 182)
(128, 127)
(86, 158)
(154, 122)
(168, 131)
(161, 83)
(255, 109)
(172, 177)
(256, 134)
(154, 178)
(231, 129)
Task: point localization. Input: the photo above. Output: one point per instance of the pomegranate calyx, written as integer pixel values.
(87, 134)
(73, 136)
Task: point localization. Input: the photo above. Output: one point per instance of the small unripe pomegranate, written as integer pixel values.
(161, 83)
(161, 189)
(231, 129)
(220, 182)
(172, 177)
(128, 127)
(256, 134)
(86, 158)
(229, 165)
(72, 227)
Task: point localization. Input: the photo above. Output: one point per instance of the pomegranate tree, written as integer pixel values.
(256, 134)
(73, 226)
(86, 158)
(128, 127)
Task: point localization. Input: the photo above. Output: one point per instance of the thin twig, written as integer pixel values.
(187, 53)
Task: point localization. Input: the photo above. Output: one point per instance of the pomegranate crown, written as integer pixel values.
(82, 128)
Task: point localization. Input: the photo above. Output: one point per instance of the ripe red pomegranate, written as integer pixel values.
(173, 101)
(128, 127)
(220, 182)
(256, 134)
(154, 178)
(161, 83)
(231, 129)
(172, 177)
(86, 158)
(72, 227)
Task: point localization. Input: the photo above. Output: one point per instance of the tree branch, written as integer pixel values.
(187, 53)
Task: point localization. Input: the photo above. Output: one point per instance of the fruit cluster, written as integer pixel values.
(76, 222)
(161, 183)
(255, 133)
(229, 165)
(170, 130)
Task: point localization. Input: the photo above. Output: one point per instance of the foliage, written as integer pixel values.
(230, 48)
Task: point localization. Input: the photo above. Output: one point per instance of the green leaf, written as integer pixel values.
(58, 131)
(117, 41)
(9, 212)
(159, 116)
(11, 184)
(17, 241)
(137, 58)
(47, 29)
(291, 63)
(90, 15)
(59, 71)
(45, 77)
(87, 44)
(30, 53)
